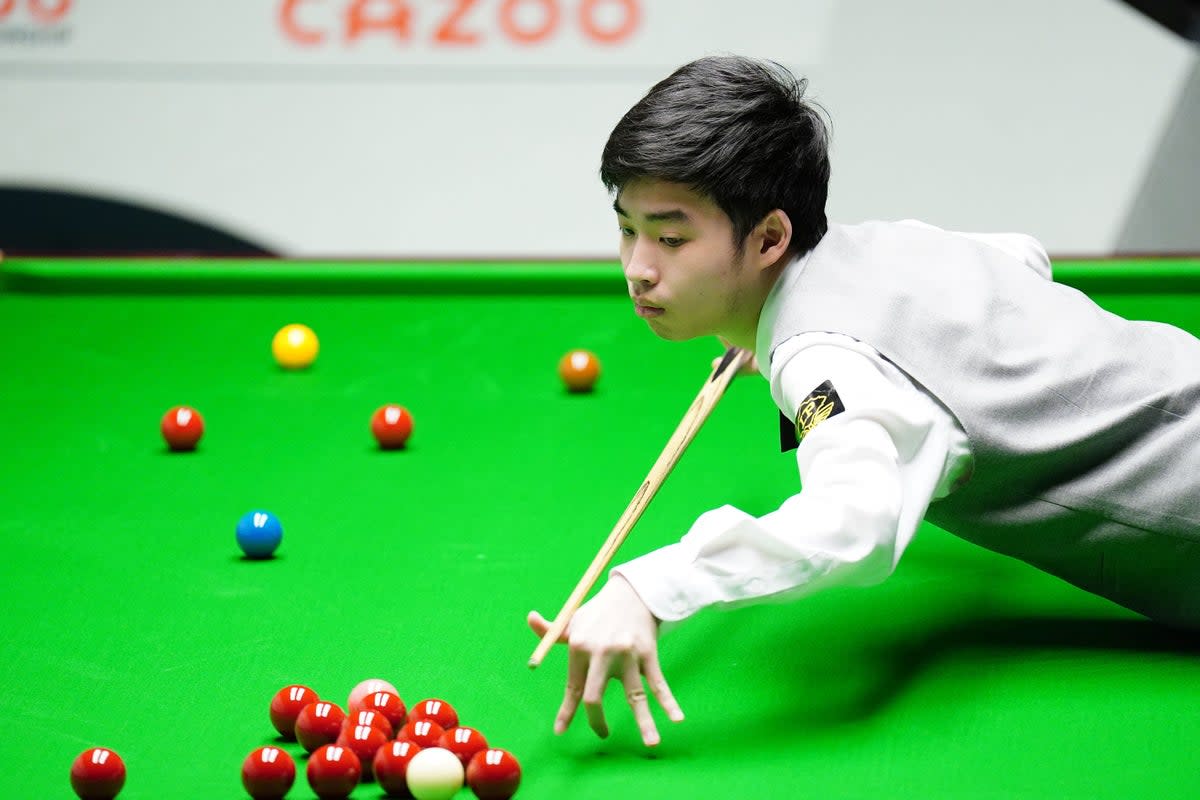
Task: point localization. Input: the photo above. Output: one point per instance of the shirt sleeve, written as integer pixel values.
(869, 472)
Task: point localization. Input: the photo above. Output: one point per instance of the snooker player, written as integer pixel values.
(925, 374)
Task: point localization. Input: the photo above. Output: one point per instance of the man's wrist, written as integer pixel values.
(659, 580)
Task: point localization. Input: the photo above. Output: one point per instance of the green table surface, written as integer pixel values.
(131, 621)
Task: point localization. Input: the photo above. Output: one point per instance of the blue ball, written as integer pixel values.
(259, 533)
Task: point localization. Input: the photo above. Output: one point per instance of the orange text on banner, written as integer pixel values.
(458, 23)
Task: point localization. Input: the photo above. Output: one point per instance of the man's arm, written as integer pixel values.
(869, 472)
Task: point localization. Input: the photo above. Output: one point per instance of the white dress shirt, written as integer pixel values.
(868, 473)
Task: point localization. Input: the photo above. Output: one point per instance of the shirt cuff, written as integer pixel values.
(661, 579)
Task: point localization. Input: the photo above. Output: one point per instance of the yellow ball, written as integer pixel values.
(295, 346)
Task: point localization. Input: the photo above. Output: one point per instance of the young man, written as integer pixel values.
(928, 374)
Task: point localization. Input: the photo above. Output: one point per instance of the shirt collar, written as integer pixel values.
(770, 311)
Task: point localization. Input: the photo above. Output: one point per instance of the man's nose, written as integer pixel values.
(639, 268)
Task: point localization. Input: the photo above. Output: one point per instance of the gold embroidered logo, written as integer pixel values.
(821, 404)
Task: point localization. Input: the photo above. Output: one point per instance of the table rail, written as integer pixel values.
(321, 277)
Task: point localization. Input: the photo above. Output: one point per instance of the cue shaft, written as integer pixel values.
(735, 358)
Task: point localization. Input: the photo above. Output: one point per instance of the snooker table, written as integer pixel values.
(133, 622)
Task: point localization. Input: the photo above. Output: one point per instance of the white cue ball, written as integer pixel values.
(434, 774)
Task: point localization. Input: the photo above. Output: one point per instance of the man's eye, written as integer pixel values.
(671, 241)
(627, 232)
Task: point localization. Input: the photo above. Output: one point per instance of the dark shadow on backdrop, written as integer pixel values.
(1181, 17)
(37, 222)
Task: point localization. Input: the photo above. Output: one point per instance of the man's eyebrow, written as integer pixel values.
(674, 215)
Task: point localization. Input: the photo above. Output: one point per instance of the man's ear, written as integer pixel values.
(772, 237)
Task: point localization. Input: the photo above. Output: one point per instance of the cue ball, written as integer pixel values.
(434, 774)
(295, 346)
(493, 774)
(182, 428)
(268, 773)
(391, 425)
(97, 774)
(579, 370)
(259, 533)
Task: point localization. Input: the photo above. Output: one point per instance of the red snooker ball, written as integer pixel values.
(439, 711)
(391, 425)
(388, 704)
(364, 688)
(364, 740)
(182, 427)
(287, 704)
(319, 724)
(463, 742)
(333, 772)
(268, 773)
(493, 774)
(424, 732)
(391, 766)
(97, 774)
(374, 719)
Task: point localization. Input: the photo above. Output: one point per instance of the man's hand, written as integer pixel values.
(612, 637)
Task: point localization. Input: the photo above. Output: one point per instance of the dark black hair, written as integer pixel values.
(736, 130)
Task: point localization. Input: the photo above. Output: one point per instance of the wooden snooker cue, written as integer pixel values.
(735, 358)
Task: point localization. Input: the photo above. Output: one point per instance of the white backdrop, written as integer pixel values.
(473, 127)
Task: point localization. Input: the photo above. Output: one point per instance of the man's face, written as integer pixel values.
(681, 267)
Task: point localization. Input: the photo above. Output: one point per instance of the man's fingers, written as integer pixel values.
(593, 694)
(539, 625)
(566, 712)
(658, 686)
(577, 672)
(613, 637)
(635, 695)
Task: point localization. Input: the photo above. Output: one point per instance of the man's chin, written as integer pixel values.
(667, 332)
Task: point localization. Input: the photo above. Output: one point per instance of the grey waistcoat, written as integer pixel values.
(1084, 426)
